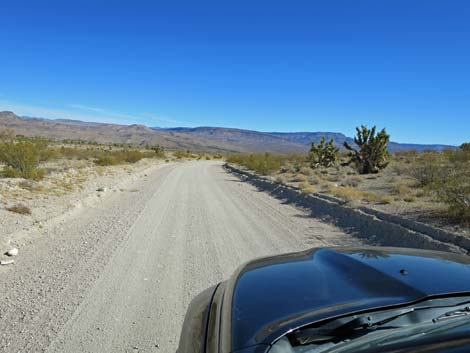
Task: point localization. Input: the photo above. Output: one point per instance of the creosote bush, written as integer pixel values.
(22, 156)
(447, 176)
(454, 190)
(428, 168)
(264, 164)
(104, 158)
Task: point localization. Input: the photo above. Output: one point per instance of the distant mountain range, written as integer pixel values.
(210, 139)
(285, 142)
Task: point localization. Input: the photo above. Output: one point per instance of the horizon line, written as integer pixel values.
(215, 127)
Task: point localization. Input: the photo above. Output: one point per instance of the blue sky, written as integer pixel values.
(265, 65)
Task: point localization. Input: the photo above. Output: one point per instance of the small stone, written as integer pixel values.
(12, 252)
(101, 189)
(7, 262)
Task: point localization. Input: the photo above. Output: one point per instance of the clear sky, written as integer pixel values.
(266, 65)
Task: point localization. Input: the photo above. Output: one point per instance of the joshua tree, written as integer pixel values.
(465, 146)
(159, 150)
(372, 154)
(324, 154)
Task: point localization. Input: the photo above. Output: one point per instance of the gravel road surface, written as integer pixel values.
(118, 276)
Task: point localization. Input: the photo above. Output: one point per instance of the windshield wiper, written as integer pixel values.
(342, 328)
(369, 322)
(453, 314)
(358, 325)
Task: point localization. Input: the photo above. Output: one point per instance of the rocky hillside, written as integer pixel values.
(284, 142)
(107, 133)
(246, 140)
(210, 139)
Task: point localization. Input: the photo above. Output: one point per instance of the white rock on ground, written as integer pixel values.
(12, 252)
(6, 262)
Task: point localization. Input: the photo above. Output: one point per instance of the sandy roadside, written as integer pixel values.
(60, 196)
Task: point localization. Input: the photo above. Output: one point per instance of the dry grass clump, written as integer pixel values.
(27, 185)
(280, 179)
(373, 197)
(19, 208)
(306, 171)
(347, 193)
(313, 179)
(299, 178)
(306, 188)
(352, 181)
(352, 194)
(402, 189)
(410, 199)
(335, 178)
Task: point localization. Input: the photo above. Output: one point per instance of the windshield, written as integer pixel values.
(379, 327)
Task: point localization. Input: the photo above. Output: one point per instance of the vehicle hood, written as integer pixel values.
(270, 296)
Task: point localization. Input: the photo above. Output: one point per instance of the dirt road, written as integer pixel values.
(118, 276)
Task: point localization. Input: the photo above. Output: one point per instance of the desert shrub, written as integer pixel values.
(264, 164)
(351, 194)
(373, 197)
(410, 199)
(429, 168)
(159, 151)
(306, 188)
(80, 153)
(347, 193)
(313, 179)
(457, 156)
(104, 157)
(299, 178)
(131, 156)
(305, 171)
(332, 177)
(106, 160)
(401, 189)
(179, 154)
(23, 156)
(445, 175)
(285, 168)
(352, 181)
(280, 179)
(406, 155)
(27, 185)
(455, 192)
